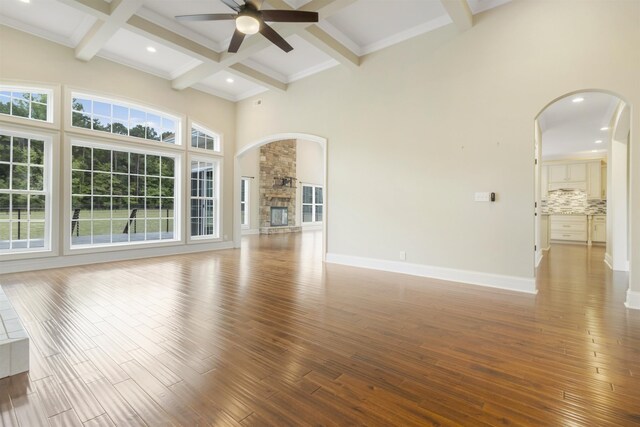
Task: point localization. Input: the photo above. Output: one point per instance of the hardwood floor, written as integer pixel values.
(271, 336)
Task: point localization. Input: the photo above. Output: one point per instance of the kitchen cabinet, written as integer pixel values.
(544, 182)
(595, 180)
(603, 180)
(570, 172)
(568, 227)
(572, 176)
(599, 229)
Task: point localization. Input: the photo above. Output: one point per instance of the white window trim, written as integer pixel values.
(70, 93)
(247, 203)
(178, 207)
(196, 125)
(51, 183)
(314, 204)
(218, 186)
(53, 98)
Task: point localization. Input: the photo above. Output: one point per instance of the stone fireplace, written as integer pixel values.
(278, 187)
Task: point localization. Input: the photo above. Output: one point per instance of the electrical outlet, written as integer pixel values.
(403, 256)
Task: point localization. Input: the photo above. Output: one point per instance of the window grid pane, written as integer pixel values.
(32, 105)
(120, 119)
(204, 140)
(23, 194)
(204, 208)
(312, 203)
(119, 199)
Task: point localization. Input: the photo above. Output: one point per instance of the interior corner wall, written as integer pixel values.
(310, 170)
(424, 124)
(32, 60)
(250, 167)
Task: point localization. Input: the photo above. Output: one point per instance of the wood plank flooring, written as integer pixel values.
(271, 336)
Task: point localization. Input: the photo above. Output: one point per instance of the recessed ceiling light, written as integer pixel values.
(599, 141)
(578, 99)
(604, 128)
(594, 151)
(25, 1)
(151, 49)
(229, 80)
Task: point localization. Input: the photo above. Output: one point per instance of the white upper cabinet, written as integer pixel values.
(572, 172)
(577, 172)
(557, 173)
(595, 180)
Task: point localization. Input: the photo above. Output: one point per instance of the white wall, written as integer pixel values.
(421, 126)
(309, 170)
(29, 59)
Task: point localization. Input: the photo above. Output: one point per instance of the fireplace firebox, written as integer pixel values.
(279, 216)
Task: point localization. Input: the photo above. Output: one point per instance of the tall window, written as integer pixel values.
(312, 200)
(122, 119)
(24, 192)
(204, 139)
(121, 196)
(244, 203)
(26, 103)
(204, 198)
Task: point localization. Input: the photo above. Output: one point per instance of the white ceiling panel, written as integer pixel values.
(46, 18)
(303, 60)
(363, 26)
(131, 49)
(571, 129)
(240, 88)
(478, 6)
(217, 31)
(371, 22)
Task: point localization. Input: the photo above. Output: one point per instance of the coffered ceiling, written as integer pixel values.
(193, 54)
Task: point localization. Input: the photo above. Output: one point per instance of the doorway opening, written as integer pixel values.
(281, 185)
(582, 147)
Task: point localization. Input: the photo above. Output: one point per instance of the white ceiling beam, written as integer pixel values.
(257, 77)
(460, 13)
(213, 61)
(256, 43)
(196, 75)
(166, 37)
(100, 33)
(332, 47)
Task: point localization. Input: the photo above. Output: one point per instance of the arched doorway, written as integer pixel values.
(237, 227)
(582, 169)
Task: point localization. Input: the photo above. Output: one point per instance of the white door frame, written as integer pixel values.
(237, 228)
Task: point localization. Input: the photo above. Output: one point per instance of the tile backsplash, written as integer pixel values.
(574, 201)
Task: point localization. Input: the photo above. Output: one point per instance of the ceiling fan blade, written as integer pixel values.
(274, 37)
(257, 4)
(207, 17)
(236, 41)
(233, 5)
(289, 16)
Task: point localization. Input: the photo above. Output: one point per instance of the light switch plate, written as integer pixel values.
(482, 197)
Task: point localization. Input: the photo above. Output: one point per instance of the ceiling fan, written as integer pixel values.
(250, 20)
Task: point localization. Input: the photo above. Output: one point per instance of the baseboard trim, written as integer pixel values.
(249, 231)
(511, 283)
(608, 260)
(633, 300)
(103, 257)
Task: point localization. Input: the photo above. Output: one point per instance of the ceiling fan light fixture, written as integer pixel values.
(247, 24)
